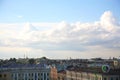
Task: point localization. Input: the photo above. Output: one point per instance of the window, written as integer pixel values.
(38, 74)
(44, 76)
(111, 78)
(105, 78)
(12, 75)
(32, 74)
(5, 75)
(0, 75)
(41, 74)
(47, 74)
(117, 78)
(18, 74)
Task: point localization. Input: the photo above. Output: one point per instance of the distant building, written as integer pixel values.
(28, 73)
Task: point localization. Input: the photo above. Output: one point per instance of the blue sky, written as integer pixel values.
(55, 10)
(59, 28)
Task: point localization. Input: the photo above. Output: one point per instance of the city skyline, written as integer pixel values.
(60, 29)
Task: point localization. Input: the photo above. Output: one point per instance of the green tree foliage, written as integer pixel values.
(31, 61)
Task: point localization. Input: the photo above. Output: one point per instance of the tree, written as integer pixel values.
(12, 59)
(31, 61)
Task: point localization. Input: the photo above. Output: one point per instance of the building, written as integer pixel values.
(89, 74)
(62, 75)
(28, 73)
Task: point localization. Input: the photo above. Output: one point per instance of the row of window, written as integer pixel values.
(91, 77)
(111, 78)
(32, 79)
(4, 75)
(30, 74)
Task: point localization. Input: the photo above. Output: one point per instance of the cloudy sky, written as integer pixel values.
(59, 28)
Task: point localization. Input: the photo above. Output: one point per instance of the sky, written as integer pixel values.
(59, 29)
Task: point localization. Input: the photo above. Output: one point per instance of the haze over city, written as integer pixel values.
(59, 28)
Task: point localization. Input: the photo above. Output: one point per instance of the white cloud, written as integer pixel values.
(63, 36)
(92, 52)
(108, 22)
(19, 52)
(28, 28)
(20, 16)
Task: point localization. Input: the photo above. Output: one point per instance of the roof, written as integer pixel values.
(62, 72)
(24, 66)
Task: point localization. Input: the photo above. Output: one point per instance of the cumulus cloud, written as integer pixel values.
(68, 36)
(108, 21)
(28, 28)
